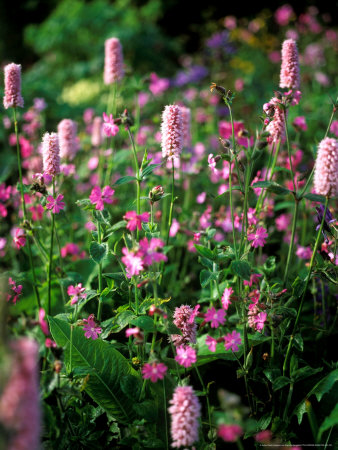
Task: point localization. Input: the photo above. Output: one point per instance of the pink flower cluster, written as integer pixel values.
(289, 75)
(17, 290)
(51, 154)
(76, 293)
(276, 127)
(185, 412)
(172, 132)
(146, 255)
(258, 238)
(113, 63)
(188, 327)
(67, 129)
(109, 126)
(19, 402)
(13, 96)
(325, 178)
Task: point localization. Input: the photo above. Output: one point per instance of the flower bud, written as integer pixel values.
(156, 194)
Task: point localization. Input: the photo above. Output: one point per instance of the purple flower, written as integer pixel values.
(216, 317)
(232, 341)
(91, 330)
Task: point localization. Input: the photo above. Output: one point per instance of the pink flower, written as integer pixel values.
(98, 198)
(175, 226)
(304, 252)
(67, 138)
(216, 317)
(158, 85)
(225, 131)
(276, 127)
(97, 132)
(258, 238)
(109, 127)
(283, 222)
(51, 154)
(20, 410)
(325, 179)
(19, 238)
(49, 343)
(232, 341)
(289, 75)
(132, 261)
(283, 15)
(184, 320)
(212, 163)
(334, 128)
(76, 292)
(172, 132)
(229, 433)
(254, 279)
(135, 220)
(55, 204)
(300, 123)
(91, 330)
(185, 412)
(13, 96)
(137, 333)
(211, 343)
(149, 253)
(113, 62)
(201, 197)
(226, 297)
(154, 371)
(263, 436)
(186, 356)
(260, 320)
(16, 289)
(42, 322)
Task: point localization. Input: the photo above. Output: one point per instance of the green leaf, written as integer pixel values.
(206, 277)
(299, 411)
(330, 421)
(280, 382)
(149, 169)
(324, 385)
(102, 216)
(204, 251)
(117, 323)
(272, 186)
(144, 322)
(241, 268)
(270, 265)
(130, 388)
(98, 251)
(305, 372)
(124, 180)
(105, 365)
(315, 198)
(272, 374)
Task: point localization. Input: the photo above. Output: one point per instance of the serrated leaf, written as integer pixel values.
(106, 365)
(330, 421)
(124, 180)
(130, 388)
(103, 216)
(98, 251)
(241, 269)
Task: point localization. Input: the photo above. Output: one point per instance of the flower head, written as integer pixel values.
(113, 62)
(149, 251)
(55, 204)
(186, 120)
(51, 154)
(258, 238)
(229, 433)
(67, 129)
(216, 317)
(325, 178)
(42, 322)
(154, 371)
(135, 220)
(232, 341)
(133, 262)
(226, 297)
(90, 328)
(17, 291)
(172, 132)
(276, 127)
(76, 293)
(109, 127)
(185, 355)
(19, 238)
(289, 75)
(211, 343)
(13, 96)
(98, 197)
(96, 137)
(185, 412)
(182, 319)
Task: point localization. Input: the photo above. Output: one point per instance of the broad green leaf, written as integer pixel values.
(117, 323)
(149, 169)
(144, 322)
(103, 216)
(124, 180)
(106, 368)
(98, 251)
(206, 277)
(241, 268)
(280, 382)
(305, 372)
(315, 197)
(330, 421)
(205, 251)
(324, 385)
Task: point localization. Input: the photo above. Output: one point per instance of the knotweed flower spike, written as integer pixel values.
(51, 154)
(13, 96)
(19, 403)
(67, 138)
(289, 75)
(276, 127)
(188, 329)
(326, 169)
(185, 411)
(113, 63)
(97, 132)
(172, 132)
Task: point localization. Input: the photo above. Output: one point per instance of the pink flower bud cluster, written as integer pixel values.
(113, 63)
(188, 328)
(19, 402)
(186, 119)
(276, 127)
(326, 169)
(172, 132)
(289, 75)
(185, 411)
(13, 96)
(51, 154)
(67, 138)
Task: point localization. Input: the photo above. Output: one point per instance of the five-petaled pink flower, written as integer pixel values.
(185, 355)
(91, 330)
(226, 297)
(55, 204)
(109, 127)
(154, 371)
(132, 261)
(98, 197)
(232, 341)
(19, 238)
(149, 251)
(216, 317)
(135, 220)
(76, 292)
(258, 238)
(211, 343)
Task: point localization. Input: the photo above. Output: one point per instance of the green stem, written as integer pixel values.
(293, 231)
(50, 265)
(288, 401)
(152, 214)
(30, 257)
(286, 360)
(232, 210)
(137, 174)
